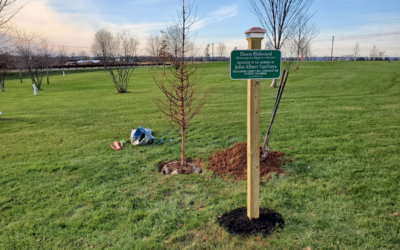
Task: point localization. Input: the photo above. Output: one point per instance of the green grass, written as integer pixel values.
(63, 187)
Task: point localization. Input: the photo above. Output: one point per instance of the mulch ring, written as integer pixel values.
(174, 167)
(233, 161)
(237, 222)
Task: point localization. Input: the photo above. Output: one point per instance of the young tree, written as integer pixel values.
(207, 52)
(101, 44)
(278, 18)
(181, 102)
(121, 51)
(46, 51)
(5, 63)
(307, 52)
(192, 50)
(356, 51)
(163, 54)
(221, 49)
(373, 53)
(381, 55)
(173, 40)
(62, 55)
(83, 55)
(303, 32)
(289, 53)
(153, 47)
(32, 58)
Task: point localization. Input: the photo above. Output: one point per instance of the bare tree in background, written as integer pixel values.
(121, 52)
(356, 51)
(62, 54)
(46, 52)
(373, 53)
(173, 40)
(83, 55)
(278, 18)
(5, 63)
(32, 59)
(192, 50)
(153, 47)
(303, 32)
(221, 49)
(101, 44)
(181, 102)
(381, 55)
(307, 52)
(207, 52)
(163, 54)
(7, 11)
(5, 54)
(289, 54)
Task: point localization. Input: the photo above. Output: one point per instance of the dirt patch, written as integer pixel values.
(237, 222)
(233, 161)
(175, 168)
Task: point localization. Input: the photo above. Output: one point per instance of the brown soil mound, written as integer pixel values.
(233, 161)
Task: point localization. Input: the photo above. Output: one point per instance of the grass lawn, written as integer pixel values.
(63, 187)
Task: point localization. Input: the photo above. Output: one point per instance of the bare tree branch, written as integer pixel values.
(7, 11)
(279, 19)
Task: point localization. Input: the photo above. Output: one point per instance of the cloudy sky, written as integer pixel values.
(72, 23)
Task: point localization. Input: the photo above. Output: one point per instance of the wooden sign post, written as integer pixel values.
(254, 64)
(254, 37)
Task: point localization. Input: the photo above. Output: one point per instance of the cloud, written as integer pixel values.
(217, 16)
(74, 29)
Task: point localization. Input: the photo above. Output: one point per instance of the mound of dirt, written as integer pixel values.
(233, 161)
(237, 222)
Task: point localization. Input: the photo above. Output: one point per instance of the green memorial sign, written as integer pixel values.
(255, 64)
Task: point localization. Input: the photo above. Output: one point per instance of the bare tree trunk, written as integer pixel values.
(20, 75)
(47, 71)
(273, 84)
(2, 82)
(183, 160)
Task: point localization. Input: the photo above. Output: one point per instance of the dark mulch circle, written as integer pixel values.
(233, 161)
(237, 222)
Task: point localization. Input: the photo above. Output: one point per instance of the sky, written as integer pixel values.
(73, 23)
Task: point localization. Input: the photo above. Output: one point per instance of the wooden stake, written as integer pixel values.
(253, 141)
(253, 149)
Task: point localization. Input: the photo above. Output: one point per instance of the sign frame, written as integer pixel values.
(252, 50)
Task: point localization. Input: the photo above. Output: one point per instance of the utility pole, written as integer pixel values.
(333, 38)
(212, 50)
